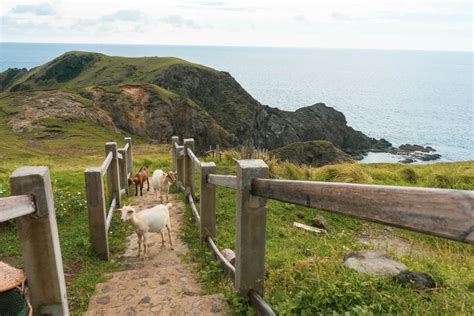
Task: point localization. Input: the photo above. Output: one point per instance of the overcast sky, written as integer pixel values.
(386, 24)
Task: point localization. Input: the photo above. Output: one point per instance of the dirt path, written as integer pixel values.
(160, 285)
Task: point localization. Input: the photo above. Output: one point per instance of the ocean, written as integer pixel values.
(421, 97)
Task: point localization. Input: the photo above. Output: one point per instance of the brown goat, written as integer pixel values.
(139, 179)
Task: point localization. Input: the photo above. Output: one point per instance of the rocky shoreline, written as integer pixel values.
(407, 153)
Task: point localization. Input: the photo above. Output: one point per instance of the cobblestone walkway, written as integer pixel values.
(159, 285)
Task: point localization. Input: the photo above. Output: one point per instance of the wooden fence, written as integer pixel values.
(438, 212)
(32, 205)
(117, 165)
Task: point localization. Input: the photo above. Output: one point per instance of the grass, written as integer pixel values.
(67, 158)
(304, 271)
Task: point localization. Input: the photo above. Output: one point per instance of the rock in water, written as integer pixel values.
(416, 280)
(374, 263)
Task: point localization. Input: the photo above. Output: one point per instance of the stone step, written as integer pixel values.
(130, 292)
(164, 305)
(136, 263)
(152, 270)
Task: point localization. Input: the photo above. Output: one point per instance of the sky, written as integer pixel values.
(378, 24)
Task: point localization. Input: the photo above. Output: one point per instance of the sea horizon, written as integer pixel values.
(404, 96)
(248, 46)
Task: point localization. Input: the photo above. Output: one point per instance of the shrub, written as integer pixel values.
(229, 156)
(351, 173)
(409, 175)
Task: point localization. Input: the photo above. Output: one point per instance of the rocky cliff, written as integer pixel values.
(161, 97)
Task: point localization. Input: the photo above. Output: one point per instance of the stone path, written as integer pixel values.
(159, 285)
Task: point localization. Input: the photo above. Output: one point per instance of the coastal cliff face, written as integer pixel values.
(160, 97)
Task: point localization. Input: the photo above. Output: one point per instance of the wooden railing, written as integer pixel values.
(439, 212)
(32, 205)
(117, 165)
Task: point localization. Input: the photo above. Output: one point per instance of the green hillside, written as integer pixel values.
(82, 69)
(144, 95)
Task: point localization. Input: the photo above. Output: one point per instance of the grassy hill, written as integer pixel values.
(175, 97)
(83, 69)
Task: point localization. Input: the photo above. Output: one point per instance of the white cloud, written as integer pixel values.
(405, 24)
(41, 9)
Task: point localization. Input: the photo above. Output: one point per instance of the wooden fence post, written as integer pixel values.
(174, 140)
(208, 202)
(251, 222)
(180, 166)
(188, 167)
(128, 140)
(40, 242)
(113, 175)
(123, 170)
(97, 212)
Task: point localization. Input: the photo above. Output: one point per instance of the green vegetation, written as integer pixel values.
(304, 271)
(315, 153)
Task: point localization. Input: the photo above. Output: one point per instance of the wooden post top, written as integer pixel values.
(35, 181)
(30, 171)
(208, 164)
(251, 163)
(188, 141)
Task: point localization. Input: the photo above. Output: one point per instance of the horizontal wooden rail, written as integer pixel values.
(225, 264)
(16, 206)
(223, 180)
(197, 217)
(119, 156)
(110, 213)
(259, 304)
(126, 147)
(438, 212)
(193, 157)
(105, 165)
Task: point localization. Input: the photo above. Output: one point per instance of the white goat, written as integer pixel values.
(151, 220)
(161, 182)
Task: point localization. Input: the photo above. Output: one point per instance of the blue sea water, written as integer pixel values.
(421, 97)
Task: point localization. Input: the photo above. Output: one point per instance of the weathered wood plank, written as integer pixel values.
(128, 147)
(174, 143)
(438, 212)
(105, 165)
(16, 206)
(123, 172)
(113, 173)
(223, 180)
(193, 157)
(110, 213)
(194, 210)
(261, 307)
(309, 228)
(225, 264)
(40, 242)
